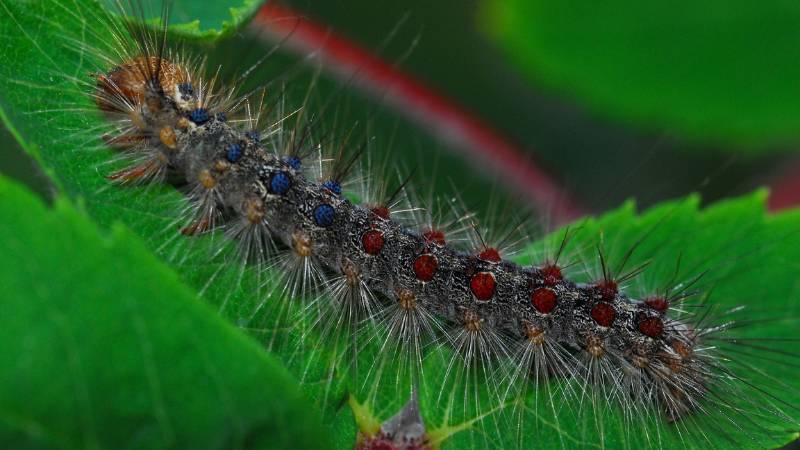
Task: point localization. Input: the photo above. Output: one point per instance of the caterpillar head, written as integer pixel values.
(143, 79)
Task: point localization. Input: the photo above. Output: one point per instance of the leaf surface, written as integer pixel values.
(93, 357)
(717, 71)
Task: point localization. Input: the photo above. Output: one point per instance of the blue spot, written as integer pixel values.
(254, 136)
(186, 89)
(333, 186)
(323, 215)
(222, 117)
(234, 152)
(293, 162)
(280, 183)
(199, 116)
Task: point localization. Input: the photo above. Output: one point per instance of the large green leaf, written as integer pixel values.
(720, 70)
(103, 347)
(55, 120)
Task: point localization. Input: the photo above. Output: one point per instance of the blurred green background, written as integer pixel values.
(649, 100)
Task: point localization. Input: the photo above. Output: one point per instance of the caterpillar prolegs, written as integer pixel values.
(361, 272)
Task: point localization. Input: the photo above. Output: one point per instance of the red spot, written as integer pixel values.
(490, 254)
(434, 237)
(425, 267)
(607, 289)
(603, 314)
(651, 326)
(544, 300)
(372, 241)
(482, 285)
(659, 304)
(381, 211)
(552, 274)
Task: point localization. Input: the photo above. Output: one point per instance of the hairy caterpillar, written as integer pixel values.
(255, 181)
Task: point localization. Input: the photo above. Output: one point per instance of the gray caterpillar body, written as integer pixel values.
(233, 178)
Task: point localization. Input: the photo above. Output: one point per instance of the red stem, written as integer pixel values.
(483, 146)
(785, 189)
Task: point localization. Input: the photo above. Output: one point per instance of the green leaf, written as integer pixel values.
(54, 118)
(208, 20)
(103, 347)
(210, 17)
(723, 71)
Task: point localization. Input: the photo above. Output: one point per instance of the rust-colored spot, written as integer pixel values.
(434, 237)
(472, 321)
(425, 267)
(206, 179)
(406, 299)
(301, 242)
(594, 346)
(533, 333)
(183, 123)
(607, 289)
(551, 274)
(167, 137)
(544, 300)
(603, 314)
(490, 255)
(659, 304)
(651, 326)
(381, 211)
(682, 349)
(482, 285)
(372, 241)
(674, 363)
(351, 272)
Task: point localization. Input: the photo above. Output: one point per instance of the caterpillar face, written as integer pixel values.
(131, 82)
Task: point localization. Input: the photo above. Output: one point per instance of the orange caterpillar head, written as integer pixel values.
(125, 86)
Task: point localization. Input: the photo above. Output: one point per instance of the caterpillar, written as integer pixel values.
(524, 336)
